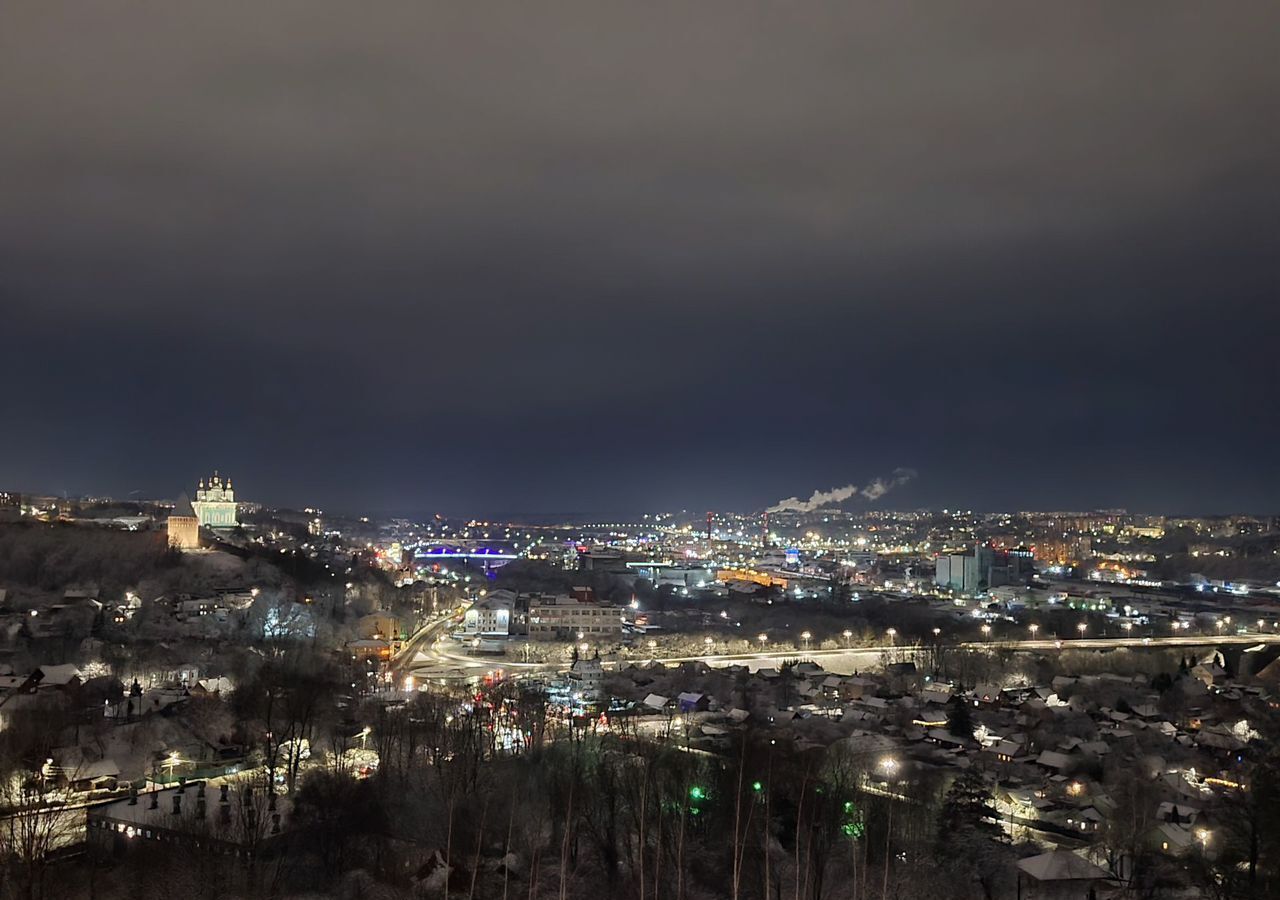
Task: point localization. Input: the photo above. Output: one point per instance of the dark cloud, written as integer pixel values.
(512, 256)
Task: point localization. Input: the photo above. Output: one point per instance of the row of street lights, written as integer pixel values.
(986, 629)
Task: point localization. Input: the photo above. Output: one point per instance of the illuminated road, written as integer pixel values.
(442, 657)
(409, 654)
(445, 658)
(860, 659)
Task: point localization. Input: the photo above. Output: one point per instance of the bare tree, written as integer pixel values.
(31, 829)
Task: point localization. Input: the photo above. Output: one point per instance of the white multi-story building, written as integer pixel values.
(490, 616)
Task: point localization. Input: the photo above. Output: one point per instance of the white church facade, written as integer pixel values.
(215, 504)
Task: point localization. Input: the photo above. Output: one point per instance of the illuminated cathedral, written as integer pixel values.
(215, 503)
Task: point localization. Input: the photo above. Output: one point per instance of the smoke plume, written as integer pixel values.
(876, 489)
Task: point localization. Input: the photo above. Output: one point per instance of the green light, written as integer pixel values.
(852, 829)
(757, 786)
(697, 793)
(848, 806)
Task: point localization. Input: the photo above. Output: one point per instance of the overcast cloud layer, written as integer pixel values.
(496, 257)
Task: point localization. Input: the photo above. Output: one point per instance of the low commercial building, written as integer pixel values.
(567, 617)
(372, 649)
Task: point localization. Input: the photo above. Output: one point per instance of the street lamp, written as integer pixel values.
(890, 766)
(805, 636)
(986, 630)
(847, 635)
(763, 639)
(892, 632)
(1082, 628)
(937, 631)
(1033, 628)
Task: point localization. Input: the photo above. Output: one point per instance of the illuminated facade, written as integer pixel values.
(982, 569)
(566, 617)
(1062, 551)
(215, 505)
(764, 579)
(184, 526)
(490, 616)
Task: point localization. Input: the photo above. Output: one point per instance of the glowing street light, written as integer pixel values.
(763, 639)
(890, 766)
(805, 636)
(986, 630)
(1033, 628)
(937, 631)
(847, 635)
(892, 632)
(1082, 628)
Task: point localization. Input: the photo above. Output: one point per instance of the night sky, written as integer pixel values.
(484, 258)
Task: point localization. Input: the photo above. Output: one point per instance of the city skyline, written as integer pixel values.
(654, 451)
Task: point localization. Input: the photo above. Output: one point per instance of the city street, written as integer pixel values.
(443, 658)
